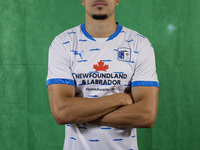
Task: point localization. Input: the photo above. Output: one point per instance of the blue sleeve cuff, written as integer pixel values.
(60, 81)
(144, 83)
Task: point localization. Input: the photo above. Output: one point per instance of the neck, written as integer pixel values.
(100, 28)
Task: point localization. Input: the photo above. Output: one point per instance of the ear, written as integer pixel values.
(83, 2)
(117, 2)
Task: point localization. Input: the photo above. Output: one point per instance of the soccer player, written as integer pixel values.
(102, 81)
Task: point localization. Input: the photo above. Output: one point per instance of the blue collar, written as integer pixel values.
(119, 28)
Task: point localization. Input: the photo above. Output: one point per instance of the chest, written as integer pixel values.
(106, 57)
(100, 64)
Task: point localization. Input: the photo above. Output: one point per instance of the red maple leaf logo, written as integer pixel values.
(100, 66)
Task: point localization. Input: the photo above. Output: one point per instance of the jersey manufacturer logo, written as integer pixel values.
(100, 66)
(77, 53)
(124, 54)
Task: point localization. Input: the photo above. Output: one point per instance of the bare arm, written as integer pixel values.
(66, 108)
(141, 114)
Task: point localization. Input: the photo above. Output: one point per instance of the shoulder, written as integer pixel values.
(136, 36)
(68, 35)
(62, 42)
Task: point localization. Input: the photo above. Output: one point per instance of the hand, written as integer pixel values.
(129, 98)
(124, 98)
(130, 94)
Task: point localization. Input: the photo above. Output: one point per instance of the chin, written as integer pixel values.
(100, 16)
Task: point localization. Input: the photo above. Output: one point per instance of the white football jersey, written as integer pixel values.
(99, 67)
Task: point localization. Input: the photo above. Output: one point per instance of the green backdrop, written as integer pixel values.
(27, 28)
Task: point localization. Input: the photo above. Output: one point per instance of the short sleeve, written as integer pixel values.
(59, 71)
(145, 69)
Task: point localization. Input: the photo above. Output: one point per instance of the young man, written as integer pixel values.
(102, 81)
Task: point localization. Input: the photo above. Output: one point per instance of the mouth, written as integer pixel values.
(100, 4)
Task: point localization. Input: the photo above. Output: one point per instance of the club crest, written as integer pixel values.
(124, 54)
